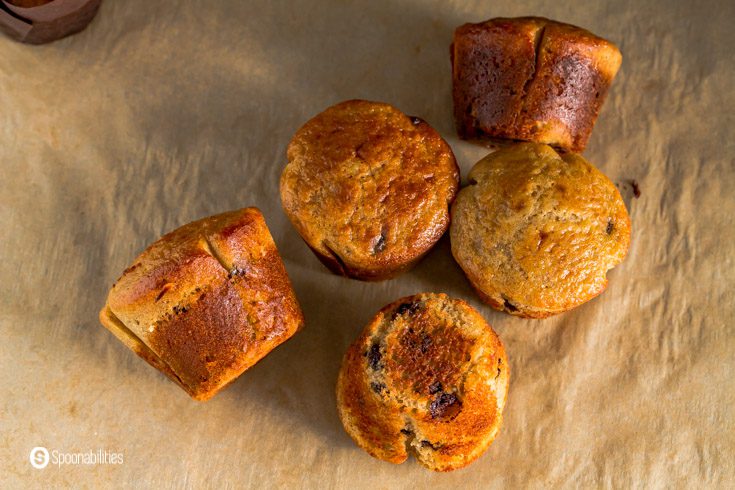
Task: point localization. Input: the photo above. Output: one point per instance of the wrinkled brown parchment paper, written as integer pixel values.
(163, 112)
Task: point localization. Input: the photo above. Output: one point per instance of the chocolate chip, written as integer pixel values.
(409, 308)
(180, 309)
(416, 120)
(508, 305)
(405, 307)
(379, 244)
(377, 387)
(446, 405)
(636, 188)
(610, 227)
(236, 272)
(435, 387)
(374, 356)
(433, 446)
(406, 431)
(425, 343)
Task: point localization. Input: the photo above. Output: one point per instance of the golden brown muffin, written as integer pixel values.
(536, 231)
(206, 301)
(530, 78)
(427, 375)
(368, 188)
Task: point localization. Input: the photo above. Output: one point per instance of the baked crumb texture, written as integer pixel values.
(530, 78)
(368, 188)
(205, 302)
(536, 231)
(427, 376)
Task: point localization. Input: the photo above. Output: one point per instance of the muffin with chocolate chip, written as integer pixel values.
(427, 375)
(536, 231)
(368, 188)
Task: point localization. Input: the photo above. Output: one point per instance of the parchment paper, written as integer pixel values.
(163, 112)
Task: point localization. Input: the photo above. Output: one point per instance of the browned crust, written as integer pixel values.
(368, 188)
(536, 231)
(427, 375)
(376, 273)
(130, 340)
(206, 301)
(521, 310)
(530, 78)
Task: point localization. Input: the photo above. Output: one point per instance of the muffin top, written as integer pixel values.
(536, 232)
(428, 375)
(368, 187)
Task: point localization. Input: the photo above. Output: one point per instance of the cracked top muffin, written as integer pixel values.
(205, 302)
(368, 188)
(428, 376)
(530, 78)
(536, 232)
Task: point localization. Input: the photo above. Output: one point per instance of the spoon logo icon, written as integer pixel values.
(39, 457)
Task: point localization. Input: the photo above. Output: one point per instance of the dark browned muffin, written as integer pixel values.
(429, 376)
(368, 188)
(530, 78)
(205, 302)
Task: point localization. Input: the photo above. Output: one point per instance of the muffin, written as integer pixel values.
(205, 302)
(536, 231)
(530, 78)
(368, 188)
(427, 375)
(43, 21)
